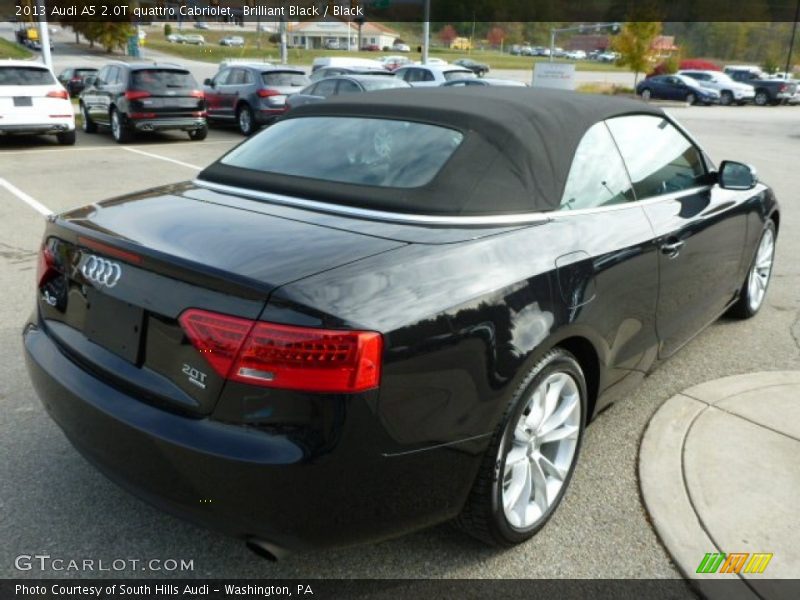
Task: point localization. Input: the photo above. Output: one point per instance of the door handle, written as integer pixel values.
(672, 247)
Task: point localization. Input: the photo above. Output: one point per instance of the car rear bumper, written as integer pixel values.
(245, 481)
(182, 124)
(37, 128)
(266, 115)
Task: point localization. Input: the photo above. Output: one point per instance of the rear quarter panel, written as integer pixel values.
(464, 322)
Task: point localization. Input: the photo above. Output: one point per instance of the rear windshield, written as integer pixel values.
(453, 75)
(25, 76)
(284, 79)
(383, 83)
(161, 79)
(375, 152)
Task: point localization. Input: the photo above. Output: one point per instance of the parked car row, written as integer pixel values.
(191, 38)
(733, 86)
(129, 98)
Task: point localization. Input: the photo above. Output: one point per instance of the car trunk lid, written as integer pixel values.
(126, 269)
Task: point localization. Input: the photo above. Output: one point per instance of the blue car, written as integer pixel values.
(676, 87)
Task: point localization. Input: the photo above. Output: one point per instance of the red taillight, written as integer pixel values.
(58, 94)
(285, 356)
(784, 88)
(267, 93)
(197, 94)
(136, 95)
(140, 115)
(46, 268)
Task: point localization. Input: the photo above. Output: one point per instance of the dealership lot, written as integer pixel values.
(54, 503)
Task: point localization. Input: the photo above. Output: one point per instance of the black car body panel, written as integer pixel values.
(143, 102)
(464, 310)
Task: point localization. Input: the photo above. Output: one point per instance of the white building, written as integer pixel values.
(333, 33)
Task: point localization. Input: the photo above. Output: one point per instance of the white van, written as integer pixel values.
(344, 61)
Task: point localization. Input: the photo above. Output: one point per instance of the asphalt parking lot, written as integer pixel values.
(53, 502)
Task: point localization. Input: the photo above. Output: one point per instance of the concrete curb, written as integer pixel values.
(686, 488)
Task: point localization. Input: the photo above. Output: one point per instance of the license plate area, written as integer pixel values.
(23, 101)
(113, 324)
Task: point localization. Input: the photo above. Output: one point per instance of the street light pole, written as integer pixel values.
(426, 31)
(44, 34)
(791, 43)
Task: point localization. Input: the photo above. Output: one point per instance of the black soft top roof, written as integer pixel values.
(516, 154)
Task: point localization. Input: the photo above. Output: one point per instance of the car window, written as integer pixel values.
(660, 159)
(101, 76)
(374, 152)
(155, 80)
(425, 75)
(383, 83)
(347, 87)
(113, 76)
(453, 75)
(246, 76)
(222, 77)
(25, 76)
(284, 79)
(597, 176)
(237, 77)
(326, 87)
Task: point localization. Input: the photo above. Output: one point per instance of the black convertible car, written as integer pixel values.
(306, 348)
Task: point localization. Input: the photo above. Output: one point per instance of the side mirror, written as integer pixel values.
(208, 82)
(89, 80)
(737, 176)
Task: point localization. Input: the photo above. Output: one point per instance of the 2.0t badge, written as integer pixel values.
(101, 271)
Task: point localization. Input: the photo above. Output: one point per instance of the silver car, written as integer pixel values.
(730, 91)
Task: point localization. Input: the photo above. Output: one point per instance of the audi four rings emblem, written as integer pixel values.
(101, 271)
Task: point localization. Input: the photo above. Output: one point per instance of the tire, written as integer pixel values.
(690, 99)
(491, 512)
(754, 288)
(245, 120)
(761, 98)
(121, 134)
(197, 135)
(88, 125)
(646, 94)
(726, 98)
(66, 138)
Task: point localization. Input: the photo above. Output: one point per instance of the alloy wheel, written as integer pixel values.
(761, 270)
(115, 125)
(245, 121)
(542, 450)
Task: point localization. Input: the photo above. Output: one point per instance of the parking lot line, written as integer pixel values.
(158, 156)
(32, 202)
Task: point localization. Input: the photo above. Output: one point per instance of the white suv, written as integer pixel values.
(730, 91)
(32, 101)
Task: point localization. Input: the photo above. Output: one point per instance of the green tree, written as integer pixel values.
(635, 45)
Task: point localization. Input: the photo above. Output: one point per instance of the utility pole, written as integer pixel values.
(284, 50)
(791, 43)
(44, 34)
(426, 31)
